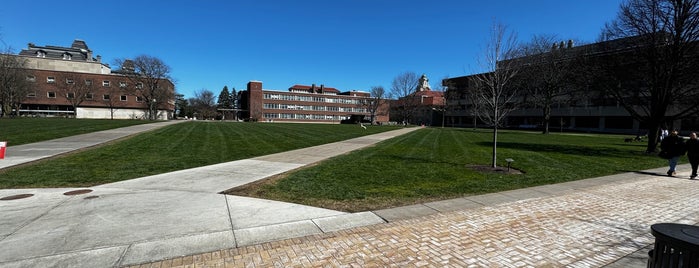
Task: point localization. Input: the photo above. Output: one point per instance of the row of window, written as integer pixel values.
(88, 96)
(282, 106)
(70, 81)
(271, 96)
(272, 116)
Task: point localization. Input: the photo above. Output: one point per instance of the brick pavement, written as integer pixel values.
(586, 228)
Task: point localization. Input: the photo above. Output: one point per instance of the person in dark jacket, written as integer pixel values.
(674, 146)
(693, 153)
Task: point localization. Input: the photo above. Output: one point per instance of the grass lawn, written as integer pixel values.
(433, 164)
(175, 147)
(17, 131)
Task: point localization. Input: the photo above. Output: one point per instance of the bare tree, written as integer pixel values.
(493, 87)
(402, 89)
(75, 88)
(663, 35)
(204, 103)
(550, 73)
(13, 83)
(373, 103)
(111, 99)
(150, 79)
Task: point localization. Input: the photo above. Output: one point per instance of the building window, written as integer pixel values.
(105, 83)
(105, 97)
(31, 78)
(69, 81)
(67, 56)
(88, 82)
(139, 85)
(50, 79)
(123, 97)
(139, 99)
(70, 95)
(41, 54)
(122, 84)
(51, 94)
(88, 96)
(31, 94)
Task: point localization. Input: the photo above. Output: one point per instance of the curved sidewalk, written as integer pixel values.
(166, 218)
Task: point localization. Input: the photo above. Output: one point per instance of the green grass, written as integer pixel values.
(17, 131)
(433, 164)
(176, 147)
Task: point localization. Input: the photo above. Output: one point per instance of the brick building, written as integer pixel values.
(302, 103)
(56, 74)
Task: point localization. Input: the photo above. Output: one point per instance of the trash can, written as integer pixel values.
(676, 245)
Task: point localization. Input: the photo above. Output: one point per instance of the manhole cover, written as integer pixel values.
(18, 196)
(91, 197)
(77, 192)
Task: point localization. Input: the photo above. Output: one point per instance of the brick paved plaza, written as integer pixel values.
(592, 227)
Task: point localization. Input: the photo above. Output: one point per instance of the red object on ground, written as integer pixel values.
(3, 145)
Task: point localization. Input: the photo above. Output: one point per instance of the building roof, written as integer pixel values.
(78, 51)
(315, 88)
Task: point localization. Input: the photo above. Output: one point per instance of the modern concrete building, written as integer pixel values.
(591, 109)
(302, 103)
(56, 74)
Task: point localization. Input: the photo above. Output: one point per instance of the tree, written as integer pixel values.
(149, 77)
(549, 74)
(493, 87)
(13, 83)
(373, 103)
(663, 87)
(203, 104)
(75, 88)
(225, 101)
(402, 89)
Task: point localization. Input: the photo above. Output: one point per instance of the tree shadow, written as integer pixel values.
(560, 148)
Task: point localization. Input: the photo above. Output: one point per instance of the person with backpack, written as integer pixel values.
(671, 148)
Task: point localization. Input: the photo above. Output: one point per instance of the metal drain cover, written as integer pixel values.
(17, 196)
(77, 192)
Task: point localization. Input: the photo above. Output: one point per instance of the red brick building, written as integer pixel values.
(301, 103)
(58, 76)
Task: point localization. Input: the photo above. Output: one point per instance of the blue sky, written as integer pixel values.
(346, 44)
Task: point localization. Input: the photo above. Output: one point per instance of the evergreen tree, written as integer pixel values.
(224, 100)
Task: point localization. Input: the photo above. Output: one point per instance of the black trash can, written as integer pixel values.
(676, 245)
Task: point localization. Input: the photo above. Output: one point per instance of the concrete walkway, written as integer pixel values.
(178, 219)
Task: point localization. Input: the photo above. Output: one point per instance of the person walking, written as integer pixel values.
(693, 153)
(671, 148)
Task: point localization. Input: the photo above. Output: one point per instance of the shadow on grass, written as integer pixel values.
(567, 149)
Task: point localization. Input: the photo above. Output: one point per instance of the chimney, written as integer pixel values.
(313, 88)
(554, 47)
(99, 58)
(561, 45)
(322, 87)
(570, 43)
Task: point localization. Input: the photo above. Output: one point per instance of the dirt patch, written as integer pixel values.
(495, 170)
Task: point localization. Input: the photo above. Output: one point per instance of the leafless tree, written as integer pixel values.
(204, 103)
(493, 87)
(13, 82)
(550, 73)
(402, 89)
(373, 103)
(111, 99)
(149, 77)
(664, 35)
(75, 88)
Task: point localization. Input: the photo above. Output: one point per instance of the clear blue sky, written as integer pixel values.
(346, 44)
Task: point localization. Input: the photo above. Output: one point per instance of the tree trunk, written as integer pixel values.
(547, 118)
(653, 130)
(495, 145)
